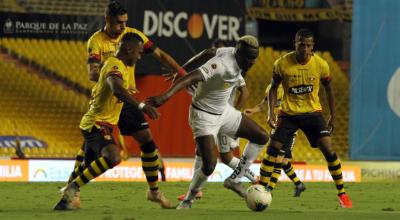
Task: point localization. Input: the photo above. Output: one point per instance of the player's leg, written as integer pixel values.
(161, 167)
(290, 172)
(318, 135)
(78, 162)
(226, 145)
(101, 142)
(271, 165)
(132, 122)
(205, 127)
(196, 165)
(242, 126)
(205, 145)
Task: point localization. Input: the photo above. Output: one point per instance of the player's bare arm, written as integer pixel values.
(122, 94)
(94, 71)
(194, 62)
(258, 108)
(243, 95)
(181, 83)
(331, 102)
(272, 96)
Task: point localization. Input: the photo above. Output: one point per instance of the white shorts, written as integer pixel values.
(226, 143)
(204, 123)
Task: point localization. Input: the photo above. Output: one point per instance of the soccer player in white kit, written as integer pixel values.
(211, 114)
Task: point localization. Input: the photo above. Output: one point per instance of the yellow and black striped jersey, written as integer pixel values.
(301, 83)
(104, 107)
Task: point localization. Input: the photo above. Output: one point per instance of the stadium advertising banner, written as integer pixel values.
(184, 28)
(14, 170)
(59, 171)
(45, 26)
(375, 81)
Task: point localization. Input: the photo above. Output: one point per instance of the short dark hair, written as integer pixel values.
(131, 38)
(115, 9)
(304, 33)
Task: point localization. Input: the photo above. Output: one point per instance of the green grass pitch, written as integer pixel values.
(109, 201)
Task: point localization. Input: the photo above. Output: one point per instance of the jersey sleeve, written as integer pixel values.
(325, 72)
(113, 68)
(94, 51)
(212, 67)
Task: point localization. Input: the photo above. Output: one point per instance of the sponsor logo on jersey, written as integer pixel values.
(302, 89)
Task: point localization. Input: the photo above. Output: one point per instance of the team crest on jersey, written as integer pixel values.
(214, 66)
(114, 68)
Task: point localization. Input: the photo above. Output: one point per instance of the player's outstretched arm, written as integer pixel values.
(122, 94)
(181, 83)
(167, 60)
(194, 63)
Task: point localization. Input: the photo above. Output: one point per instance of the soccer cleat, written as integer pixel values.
(185, 204)
(63, 205)
(345, 201)
(76, 200)
(236, 187)
(299, 189)
(158, 197)
(199, 194)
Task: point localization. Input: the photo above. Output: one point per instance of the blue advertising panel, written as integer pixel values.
(375, 81)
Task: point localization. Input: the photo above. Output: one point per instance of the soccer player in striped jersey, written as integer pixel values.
(102, 45)
(286, 163)
(108, 96)
(300, 72)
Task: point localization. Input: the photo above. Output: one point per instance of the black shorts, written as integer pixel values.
(131, 120)
(313, 125)
(96, 140)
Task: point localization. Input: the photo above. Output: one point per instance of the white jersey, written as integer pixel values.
(221, 75)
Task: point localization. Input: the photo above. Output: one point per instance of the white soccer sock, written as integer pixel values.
(199, 178)
(250, 153)
(197, 162)
(248, 173)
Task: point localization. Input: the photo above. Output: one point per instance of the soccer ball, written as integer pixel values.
(258, 199)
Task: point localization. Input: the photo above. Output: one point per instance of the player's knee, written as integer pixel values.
(225, 158)
(285, 161)
(114, 161)
(261, 137)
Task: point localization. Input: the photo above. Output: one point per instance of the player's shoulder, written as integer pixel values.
(113, 61)
(225, 51)
(318, 59)
(287, 57)
(96, 36)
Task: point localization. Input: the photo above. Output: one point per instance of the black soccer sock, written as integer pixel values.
(267, 165)
(78, 162)
(335, 168)
(150, 164)
(93, 170)
(288, 168)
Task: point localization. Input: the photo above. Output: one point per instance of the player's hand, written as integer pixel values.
(271, 120)
(249, 111)
(151, 112)
(331, 124)
(156, 101)
(170, 76)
